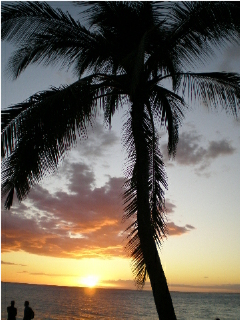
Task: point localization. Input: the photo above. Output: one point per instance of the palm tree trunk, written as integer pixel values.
(155, 271)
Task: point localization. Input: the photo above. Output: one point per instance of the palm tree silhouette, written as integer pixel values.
(127, 54)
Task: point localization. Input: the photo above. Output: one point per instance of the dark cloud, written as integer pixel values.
(100, 140)
(190, 152)
(219, 148)
(13, 264)
(170, 207)
(189, 226)
(174, 230)
(47, 274)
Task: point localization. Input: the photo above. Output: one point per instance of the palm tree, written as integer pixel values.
(128, 54)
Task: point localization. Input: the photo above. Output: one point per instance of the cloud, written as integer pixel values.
(83, 223)
(13, 264)
(170, 207)
(78, 220)
(174, 230)
(189, 226)
(47, 274)
(219, 148)
(99, 141)
(190, 152)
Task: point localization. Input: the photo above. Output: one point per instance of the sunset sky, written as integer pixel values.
(69, 228)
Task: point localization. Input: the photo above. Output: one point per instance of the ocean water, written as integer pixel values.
(65, 303)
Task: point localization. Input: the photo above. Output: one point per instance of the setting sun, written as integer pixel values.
(89, 281)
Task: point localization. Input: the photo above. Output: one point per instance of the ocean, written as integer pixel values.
(65, 303)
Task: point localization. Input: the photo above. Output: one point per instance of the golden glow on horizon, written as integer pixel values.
(116, 273)
(89, 281)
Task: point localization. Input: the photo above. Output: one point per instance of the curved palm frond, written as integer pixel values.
(199, 27)
(38, 132)
(21, 20)
(57, 46)
(157, 178)
(34, 142)
(168, 107)
(111, 104)
(44, 35)
(214, 89)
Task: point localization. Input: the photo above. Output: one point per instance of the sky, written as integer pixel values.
(69, 230)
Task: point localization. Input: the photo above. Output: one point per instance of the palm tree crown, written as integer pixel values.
(127, 53)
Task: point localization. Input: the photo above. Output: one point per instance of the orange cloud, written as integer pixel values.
(174, 230)
(83, 222)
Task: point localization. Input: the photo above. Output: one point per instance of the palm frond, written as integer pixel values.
(168, 108)
(134, 249)
(57, 46)
(20, 21)
(36, 140)
(45, 127)
(199, 27)
(157, 179)
(217, 89)
(133, 246)
(111, 104)
(44, 35)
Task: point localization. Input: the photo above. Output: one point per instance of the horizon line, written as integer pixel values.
(119, 288)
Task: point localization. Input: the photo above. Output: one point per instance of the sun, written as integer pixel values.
(90, 281)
